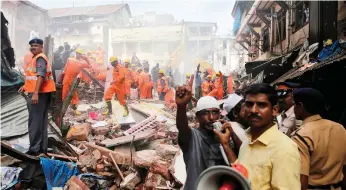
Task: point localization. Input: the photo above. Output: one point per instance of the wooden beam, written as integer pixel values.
(67, 101)
(262, 12)
(254, 25)
(242, 45)
(283, 5)
(93, 79)
(254, 32)
(245, 35)
(246, 41)
(264, 19)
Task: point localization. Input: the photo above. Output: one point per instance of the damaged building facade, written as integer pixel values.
(27, 21)
(88, 26)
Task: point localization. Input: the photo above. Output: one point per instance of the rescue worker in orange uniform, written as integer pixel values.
(143, 84)
(39, 84)
(72, 68)
(128, 79)
(230, 84)
(217, 92)
(207, 86)
(150, 88)
(117, 87)
(162, 85)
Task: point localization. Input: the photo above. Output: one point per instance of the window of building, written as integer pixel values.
(281, 27)
(301, 14)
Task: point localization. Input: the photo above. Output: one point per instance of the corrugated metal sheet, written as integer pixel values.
(90, 11)
(14, 115)
(296, 71)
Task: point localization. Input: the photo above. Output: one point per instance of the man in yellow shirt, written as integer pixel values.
(271, 158)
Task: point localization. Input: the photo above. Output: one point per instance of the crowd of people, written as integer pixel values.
(276, 132)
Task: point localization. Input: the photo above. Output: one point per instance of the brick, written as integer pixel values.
(154, 180)
(120, 158)
(162, 168)
(74, 183)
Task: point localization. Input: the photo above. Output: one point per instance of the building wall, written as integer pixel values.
(23, 18)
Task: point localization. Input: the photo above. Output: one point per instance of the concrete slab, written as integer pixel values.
(118, 112)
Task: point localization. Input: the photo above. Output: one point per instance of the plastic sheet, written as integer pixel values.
(9, 177)
(57, 172)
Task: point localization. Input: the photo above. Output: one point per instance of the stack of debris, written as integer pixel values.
(141, 156)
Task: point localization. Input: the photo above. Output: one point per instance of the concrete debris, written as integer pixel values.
(127, 139)
(130, 181)
(83, 107)
(166, 151)
(145, 158)
(116, 153)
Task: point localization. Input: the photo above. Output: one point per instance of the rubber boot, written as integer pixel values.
(126, 111)
(74, 107)
(109, 108)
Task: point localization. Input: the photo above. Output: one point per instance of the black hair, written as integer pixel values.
(313, 100)
(263, 88)
(61, 48)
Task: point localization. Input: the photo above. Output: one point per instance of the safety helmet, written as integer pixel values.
(161, 72)
(218, 73)
(113, 58)
(209, 76)
(79, 50)
(127, 60)
(133, 65)
(188, 74)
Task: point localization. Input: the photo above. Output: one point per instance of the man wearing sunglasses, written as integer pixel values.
(286, 120)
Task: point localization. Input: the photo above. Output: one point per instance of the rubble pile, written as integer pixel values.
(140, 156)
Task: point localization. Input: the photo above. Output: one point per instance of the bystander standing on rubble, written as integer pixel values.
(271, 158)
(201, 147)
(39, 83)
(58, 63)
(286, 119)
(321, 143)
(198, 83)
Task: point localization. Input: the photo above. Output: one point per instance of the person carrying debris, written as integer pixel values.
(162, 85)
(117, 87)
(39, 83)
(207, 86)
(72, 68)
(143, 84)
(218, 90)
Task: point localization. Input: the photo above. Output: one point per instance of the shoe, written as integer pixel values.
(77, 112)
(108, 109)
(126, 111)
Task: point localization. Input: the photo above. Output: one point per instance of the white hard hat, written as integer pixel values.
(231, 101)
(207, 102)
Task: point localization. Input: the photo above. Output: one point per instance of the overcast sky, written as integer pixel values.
(218, 11)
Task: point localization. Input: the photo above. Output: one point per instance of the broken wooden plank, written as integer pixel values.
(93, 79)
(62, 157)
(68, 99)
(120, 158)
(116, 166)
(5, 149)
(127, 139)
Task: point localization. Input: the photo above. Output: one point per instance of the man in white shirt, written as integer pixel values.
(286, 119)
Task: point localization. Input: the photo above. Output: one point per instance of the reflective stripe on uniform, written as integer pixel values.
(35, 78)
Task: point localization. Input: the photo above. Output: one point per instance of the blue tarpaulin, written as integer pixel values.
(237, 19)
(57, 172)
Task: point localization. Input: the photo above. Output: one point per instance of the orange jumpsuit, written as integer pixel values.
(143, 85)
(230, 85)
(150, 88)
(117, 86)
(128, 82)
(162, 85)
(134, 77)
(169, 98)
(217, 92)
(72, 68)
(206, 88)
